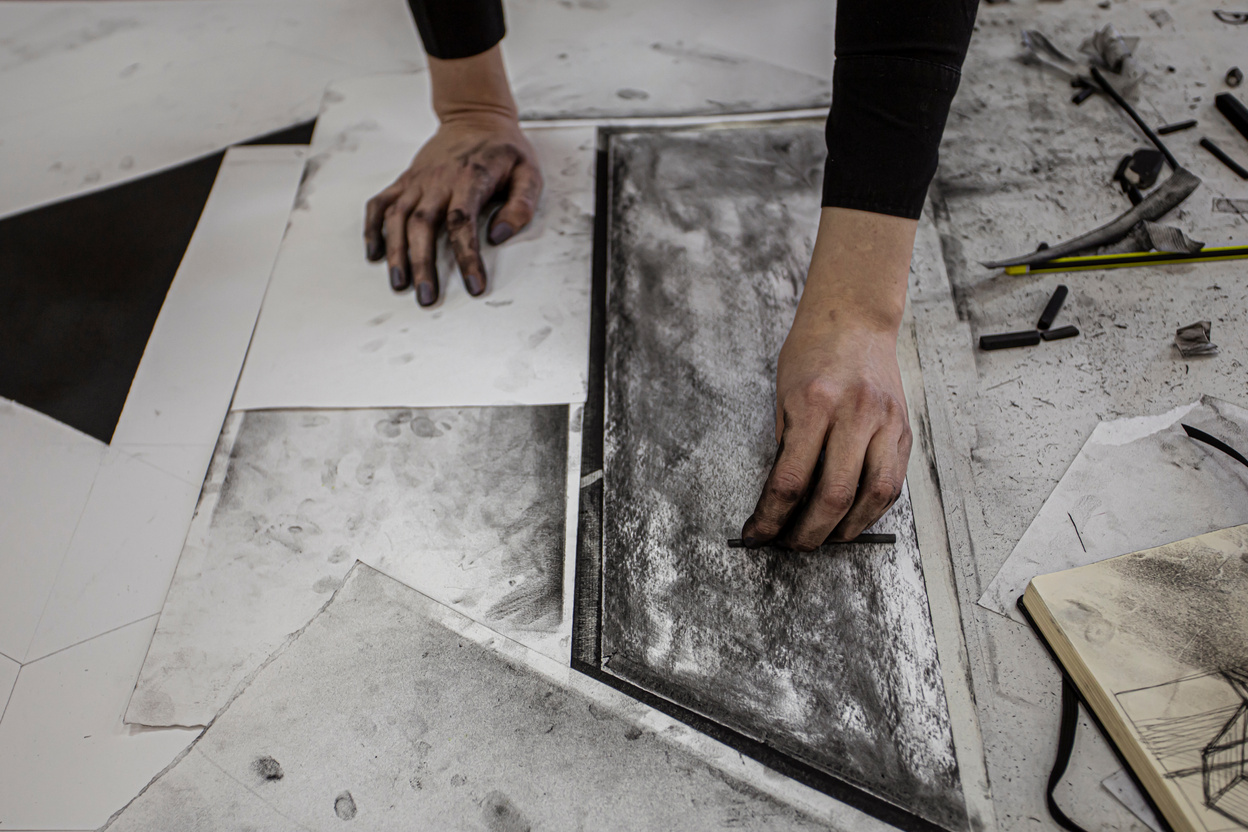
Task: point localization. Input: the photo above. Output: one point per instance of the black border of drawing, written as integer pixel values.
(1094, 716)
(587, 589)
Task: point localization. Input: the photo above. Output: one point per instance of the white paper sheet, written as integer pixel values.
(117, 567)
(94, 94)
(471, 506)
(1124, 790)
(333, 334)
(46, 472)
(8, 676)
(1136, 483)
(66, 759)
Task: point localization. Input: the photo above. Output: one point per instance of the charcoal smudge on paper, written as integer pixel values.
(467, 505)
(827, 657)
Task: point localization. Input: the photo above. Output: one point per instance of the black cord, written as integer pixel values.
(1148, 131)
(1214, 442)
(1065, 745)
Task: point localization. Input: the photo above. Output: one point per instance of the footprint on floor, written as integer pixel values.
(344, 806)
(267, 768)
(501, 815)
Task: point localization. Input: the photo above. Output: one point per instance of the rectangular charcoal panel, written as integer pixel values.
(828, 658)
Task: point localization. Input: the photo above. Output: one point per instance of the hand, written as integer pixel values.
(479, 151)
(468, 161)
(841, 417)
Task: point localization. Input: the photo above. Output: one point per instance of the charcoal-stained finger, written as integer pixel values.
(422, 247)
(478, 181)
(883, 472)
(374, 218)
(787, 483)
(833, 495)
(394, 227)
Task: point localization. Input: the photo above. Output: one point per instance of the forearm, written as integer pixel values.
(472, 85)
(897, 68)
(858, 273)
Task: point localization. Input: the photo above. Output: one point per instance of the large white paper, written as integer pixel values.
(1136, 483)
(118, 564)
(1124, 790)
(333, 334)
(93, 94)
(66, 759)
(46, 472)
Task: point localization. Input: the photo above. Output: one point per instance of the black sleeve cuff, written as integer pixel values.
(888, 114)
(458, 28)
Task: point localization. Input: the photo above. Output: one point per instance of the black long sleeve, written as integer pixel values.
(897, 68)
(458, 28)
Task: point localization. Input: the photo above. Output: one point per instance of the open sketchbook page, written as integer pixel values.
(1158, 643)
(333, 334)
(1136, 483)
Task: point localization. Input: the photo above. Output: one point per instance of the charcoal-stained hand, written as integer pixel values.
(844, 436)
(468, 161)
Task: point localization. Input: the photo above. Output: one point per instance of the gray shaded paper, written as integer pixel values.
(467, 505)
(1136, 484)
(1124, 790)
(829, 657)
(387, 711)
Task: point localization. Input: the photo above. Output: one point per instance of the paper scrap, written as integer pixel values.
(1193, 340)
(1135, 484)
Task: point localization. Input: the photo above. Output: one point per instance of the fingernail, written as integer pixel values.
(425, 295)
(476, 285)
(501, 232)
(397, 279)
(372, 249)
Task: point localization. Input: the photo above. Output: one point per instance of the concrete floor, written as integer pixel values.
(1020, 165)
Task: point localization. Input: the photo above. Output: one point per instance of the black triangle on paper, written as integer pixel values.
(82, 282)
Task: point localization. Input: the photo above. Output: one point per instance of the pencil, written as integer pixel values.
(1208, 254)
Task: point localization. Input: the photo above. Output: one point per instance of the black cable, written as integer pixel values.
(1065, 745)
(1214, 442)
(1148, 131)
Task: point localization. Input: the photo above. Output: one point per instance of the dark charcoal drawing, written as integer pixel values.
(479, 488)
(1200, 737)
(827, 657)
(82, 282)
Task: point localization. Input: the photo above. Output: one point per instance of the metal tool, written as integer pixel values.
(1164, 198)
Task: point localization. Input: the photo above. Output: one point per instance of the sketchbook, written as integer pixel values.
(1157, 644)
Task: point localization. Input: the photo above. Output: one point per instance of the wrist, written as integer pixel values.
(859, 273)
(474, 87)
